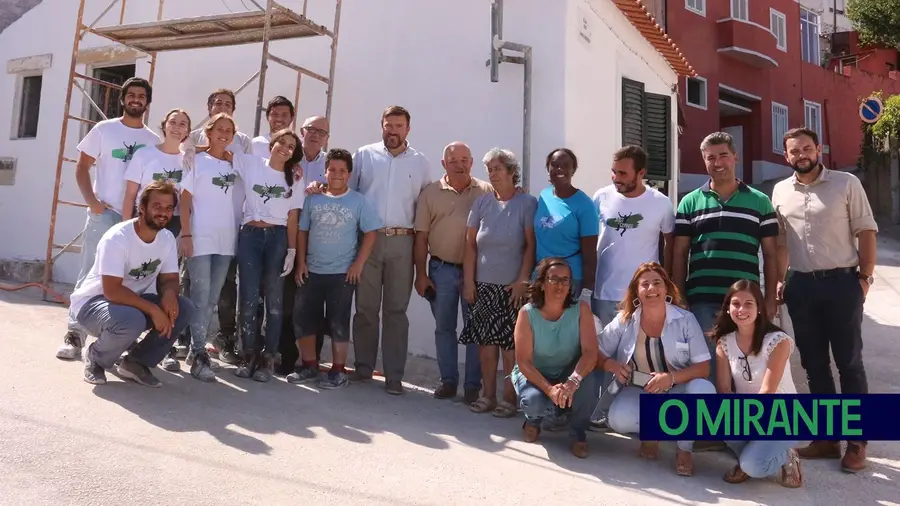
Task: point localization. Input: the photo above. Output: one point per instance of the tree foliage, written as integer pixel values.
(877, 21)
(889, 123)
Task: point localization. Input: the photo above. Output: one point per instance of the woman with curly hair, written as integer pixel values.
(556, 351)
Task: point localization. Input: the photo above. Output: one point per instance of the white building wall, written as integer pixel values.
(594, 72)
(426, 55)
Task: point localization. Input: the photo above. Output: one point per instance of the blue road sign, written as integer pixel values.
(870, 110)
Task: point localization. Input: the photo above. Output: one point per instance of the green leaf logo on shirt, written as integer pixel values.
(224, 181)
(146, 269)
(268, 192)
(170, 176)
(625, 222)
(127, 153)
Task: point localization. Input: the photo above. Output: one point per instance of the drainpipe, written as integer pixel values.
(497, 57)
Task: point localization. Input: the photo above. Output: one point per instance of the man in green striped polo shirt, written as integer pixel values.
(719, 229)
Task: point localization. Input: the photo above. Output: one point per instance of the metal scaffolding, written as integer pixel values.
(272, 22)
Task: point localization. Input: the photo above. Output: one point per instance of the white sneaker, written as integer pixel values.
(71, 347)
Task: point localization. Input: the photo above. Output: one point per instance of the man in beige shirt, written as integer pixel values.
(824, 275)
(441, 215)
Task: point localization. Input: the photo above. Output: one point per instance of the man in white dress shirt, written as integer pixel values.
(390, 174)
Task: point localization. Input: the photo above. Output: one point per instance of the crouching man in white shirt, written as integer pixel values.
(133, 287)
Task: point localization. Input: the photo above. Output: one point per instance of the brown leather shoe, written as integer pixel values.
(854, 458)
(649, 450)
(820, 450)
(579, 449)
(471, 395)
(530, 432)
(445, 391)
(684, 463)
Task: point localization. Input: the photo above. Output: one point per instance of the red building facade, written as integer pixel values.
(760, 72)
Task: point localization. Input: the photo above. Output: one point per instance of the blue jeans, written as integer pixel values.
(625, 411)
(94, 227)
(448, 279)
(761, 459)
(117, 327)
(261, 253)
(706, 313)
(207, 277)
(536, 405)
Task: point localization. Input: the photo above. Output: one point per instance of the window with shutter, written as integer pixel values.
(632, 113)
(657, 122)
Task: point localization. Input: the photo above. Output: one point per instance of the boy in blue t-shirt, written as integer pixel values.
(329, 265)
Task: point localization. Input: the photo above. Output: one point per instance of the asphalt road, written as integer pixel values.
(63, 441)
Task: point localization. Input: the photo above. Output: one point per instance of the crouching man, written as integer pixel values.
(133, 287)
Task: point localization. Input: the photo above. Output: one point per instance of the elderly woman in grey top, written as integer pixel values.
(497, 264)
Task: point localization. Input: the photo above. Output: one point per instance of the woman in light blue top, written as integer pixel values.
(653, 346)
(566, 223)
(556, 351)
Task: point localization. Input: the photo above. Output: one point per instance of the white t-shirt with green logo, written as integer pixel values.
(213, 215)
(629, 236)
(113, 145)
(149, 165)
(122, 254)
(268, 197)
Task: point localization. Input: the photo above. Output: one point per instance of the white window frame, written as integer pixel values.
(780, 125)
(774, 18)
(813, 106)
(705, 94)
(740, 9)
(815, 51)
(18, 99)
(696, 6)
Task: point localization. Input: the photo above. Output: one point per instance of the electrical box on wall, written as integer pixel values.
(7, 171)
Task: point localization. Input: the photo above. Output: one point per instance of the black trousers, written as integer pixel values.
(288, 345)
(826, 309)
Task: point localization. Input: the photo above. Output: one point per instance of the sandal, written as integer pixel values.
(684, 463)
(791, 475)
(649, 450)
(736, 475)
(483, 405)
(504, 410)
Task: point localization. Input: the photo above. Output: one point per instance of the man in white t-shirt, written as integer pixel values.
(633, 218)
(111, 144)
(132, 288)
(280, 114)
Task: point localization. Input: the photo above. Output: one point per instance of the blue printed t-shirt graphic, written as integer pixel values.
(170, 176)
(625, 222)
(275, 191)
(224, 181)
(127, 153)
(559, 225)
(334, 224)
(146, 269)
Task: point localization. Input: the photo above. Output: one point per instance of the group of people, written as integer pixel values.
(589, 302)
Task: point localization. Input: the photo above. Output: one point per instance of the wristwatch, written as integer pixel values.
(870, 280)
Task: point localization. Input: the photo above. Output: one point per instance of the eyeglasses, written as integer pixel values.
(553, 280)
(745, 366)
(314, 130)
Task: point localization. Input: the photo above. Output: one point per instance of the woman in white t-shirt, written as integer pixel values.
(209, 234)
(158, 163)
(753, 357)
(274, 193)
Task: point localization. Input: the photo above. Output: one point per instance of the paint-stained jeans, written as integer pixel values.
(261, 253)
(95, 226)
(625, 411)
(207, 277)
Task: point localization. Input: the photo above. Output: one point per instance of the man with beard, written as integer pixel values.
(280, 115)
(633, 218)
(390, 174)
(132, 288)
(111, 144)
(824, 276)
(719, 230)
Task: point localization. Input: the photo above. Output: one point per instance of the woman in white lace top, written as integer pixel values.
(753, 356)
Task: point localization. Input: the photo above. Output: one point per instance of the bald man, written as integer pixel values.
(441, 215)
(314, 134)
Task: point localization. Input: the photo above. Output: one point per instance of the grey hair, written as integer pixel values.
(717, 139)
(507, 158)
